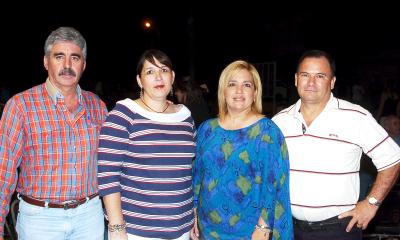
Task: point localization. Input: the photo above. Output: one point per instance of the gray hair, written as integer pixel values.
(65, 34)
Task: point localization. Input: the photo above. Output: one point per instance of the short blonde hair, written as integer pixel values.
(224, 78)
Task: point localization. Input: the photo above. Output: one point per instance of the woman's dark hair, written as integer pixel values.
(150, 55)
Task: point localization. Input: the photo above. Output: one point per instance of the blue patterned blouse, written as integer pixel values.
(240, 175)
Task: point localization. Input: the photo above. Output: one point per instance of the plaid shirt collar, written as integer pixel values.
(55, 93)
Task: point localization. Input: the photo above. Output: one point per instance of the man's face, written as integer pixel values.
(314, 80)
(65, 65)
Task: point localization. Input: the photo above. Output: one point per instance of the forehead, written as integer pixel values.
(66, 47)
(313, 64)
(241, 75)
(148, 64)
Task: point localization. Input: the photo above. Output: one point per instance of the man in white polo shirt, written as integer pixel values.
(326, 137)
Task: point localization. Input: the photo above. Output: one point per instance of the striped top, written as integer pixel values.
(325, 156)
(55, 150)
(148, 158)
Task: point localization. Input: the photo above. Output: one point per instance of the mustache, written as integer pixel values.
(67, 71)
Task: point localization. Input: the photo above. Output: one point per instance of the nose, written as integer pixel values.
(312, 79)
(158, 74)
(239, 88)
(67, 63)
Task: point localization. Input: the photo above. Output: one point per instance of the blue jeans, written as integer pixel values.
(41, 223)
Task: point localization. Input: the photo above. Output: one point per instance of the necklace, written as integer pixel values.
(153, 109)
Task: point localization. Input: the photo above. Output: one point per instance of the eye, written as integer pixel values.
(248, 85)
(75, 58)
(320, 76)
(165, 70)
(59, 57)
(149, 72)
(304, 75)
(231, 84)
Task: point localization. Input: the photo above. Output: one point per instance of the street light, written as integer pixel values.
(147, 24)
(152, 33)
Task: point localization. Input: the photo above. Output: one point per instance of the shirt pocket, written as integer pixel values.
(45, 148)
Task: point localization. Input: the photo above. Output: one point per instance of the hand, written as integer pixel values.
(194, 232)
(118, 235)
(362, 214)
(259, 235)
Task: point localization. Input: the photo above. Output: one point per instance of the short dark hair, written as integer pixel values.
(318, 54)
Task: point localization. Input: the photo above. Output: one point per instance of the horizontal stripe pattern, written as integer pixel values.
(325, 156)
(150, 162)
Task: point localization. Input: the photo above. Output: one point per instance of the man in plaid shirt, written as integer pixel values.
(50, 132)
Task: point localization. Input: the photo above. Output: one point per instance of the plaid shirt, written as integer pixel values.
(56, 151)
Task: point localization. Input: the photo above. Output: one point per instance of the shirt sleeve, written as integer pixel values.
(11, 145)
(377, 144)
(113, 145)
(277, 213)
(197, 164)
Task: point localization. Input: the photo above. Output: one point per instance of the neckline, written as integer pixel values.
(239, 129)
(133, 105)
(165, 109)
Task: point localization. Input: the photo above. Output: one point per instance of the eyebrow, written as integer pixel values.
(246, 81)
(63, 54)
(76, 55)
(315, 73)
(159, 67)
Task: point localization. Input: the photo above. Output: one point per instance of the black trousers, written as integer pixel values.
(329, 229)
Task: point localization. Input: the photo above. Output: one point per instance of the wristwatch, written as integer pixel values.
(374, 201)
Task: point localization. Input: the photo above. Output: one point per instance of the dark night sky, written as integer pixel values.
(203, 39)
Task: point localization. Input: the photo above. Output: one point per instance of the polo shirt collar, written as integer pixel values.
(332, 104)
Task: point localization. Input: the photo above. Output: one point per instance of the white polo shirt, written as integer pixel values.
(325, 156)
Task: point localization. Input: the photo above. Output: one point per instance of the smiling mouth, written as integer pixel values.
(238, 99)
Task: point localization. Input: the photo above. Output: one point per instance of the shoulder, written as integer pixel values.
(285, 114)
(269, 127)
(92, 98)
(207, 128)
(268, 123)
(30, 93)
(90, 95)
(209, 124)
(34, 94)
(350, 108)
(126, 106)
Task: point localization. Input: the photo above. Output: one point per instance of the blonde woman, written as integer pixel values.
(241, 169)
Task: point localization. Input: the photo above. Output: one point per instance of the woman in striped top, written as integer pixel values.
(145, 157)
